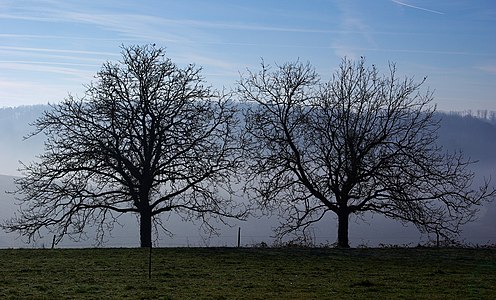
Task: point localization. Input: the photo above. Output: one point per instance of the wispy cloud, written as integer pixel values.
(351, 21)
(48, 63)
(418, 7)
(418, 51)
(15, 92)
(147, 26)
(55, 37)
(52, 50)
(48, 68)
(491, 69)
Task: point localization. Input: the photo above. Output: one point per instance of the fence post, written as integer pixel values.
(53, 241)
(239, 237)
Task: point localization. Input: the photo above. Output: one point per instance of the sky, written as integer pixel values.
(50, 49)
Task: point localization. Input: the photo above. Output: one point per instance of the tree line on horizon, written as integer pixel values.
(150, 138)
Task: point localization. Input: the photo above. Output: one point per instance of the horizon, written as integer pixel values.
(478, 113)
(53, 48)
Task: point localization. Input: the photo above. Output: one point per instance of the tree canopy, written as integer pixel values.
(361, 142)
(147, 138)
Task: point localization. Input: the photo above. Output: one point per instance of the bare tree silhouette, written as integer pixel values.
(359, 143)
(147, 138)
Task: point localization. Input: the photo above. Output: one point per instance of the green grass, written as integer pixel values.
(228, 273)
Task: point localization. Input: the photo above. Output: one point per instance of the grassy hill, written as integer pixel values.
(248, 273)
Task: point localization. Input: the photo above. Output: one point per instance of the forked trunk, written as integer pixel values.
(146, 228)
(343, 221)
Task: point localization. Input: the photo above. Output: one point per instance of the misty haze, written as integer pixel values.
(474, 133)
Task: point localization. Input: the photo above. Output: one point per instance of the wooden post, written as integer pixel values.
(239, 237)
(53, 241)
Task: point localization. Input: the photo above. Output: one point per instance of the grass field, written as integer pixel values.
(248, 273)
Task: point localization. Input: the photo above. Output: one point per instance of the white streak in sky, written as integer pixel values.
(417, 7)
(491, 69)
(32, 49)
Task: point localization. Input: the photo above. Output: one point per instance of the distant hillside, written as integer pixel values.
(483, 115)
(475, 137)
(473, 133)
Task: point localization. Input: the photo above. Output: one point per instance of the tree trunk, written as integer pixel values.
(343, 221)
(146, 228)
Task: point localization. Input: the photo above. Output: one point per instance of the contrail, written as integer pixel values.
(417, 7)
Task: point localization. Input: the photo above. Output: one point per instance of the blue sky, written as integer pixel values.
(50, 48)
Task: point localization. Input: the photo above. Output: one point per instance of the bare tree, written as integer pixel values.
(147, 138)
(359, 143)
